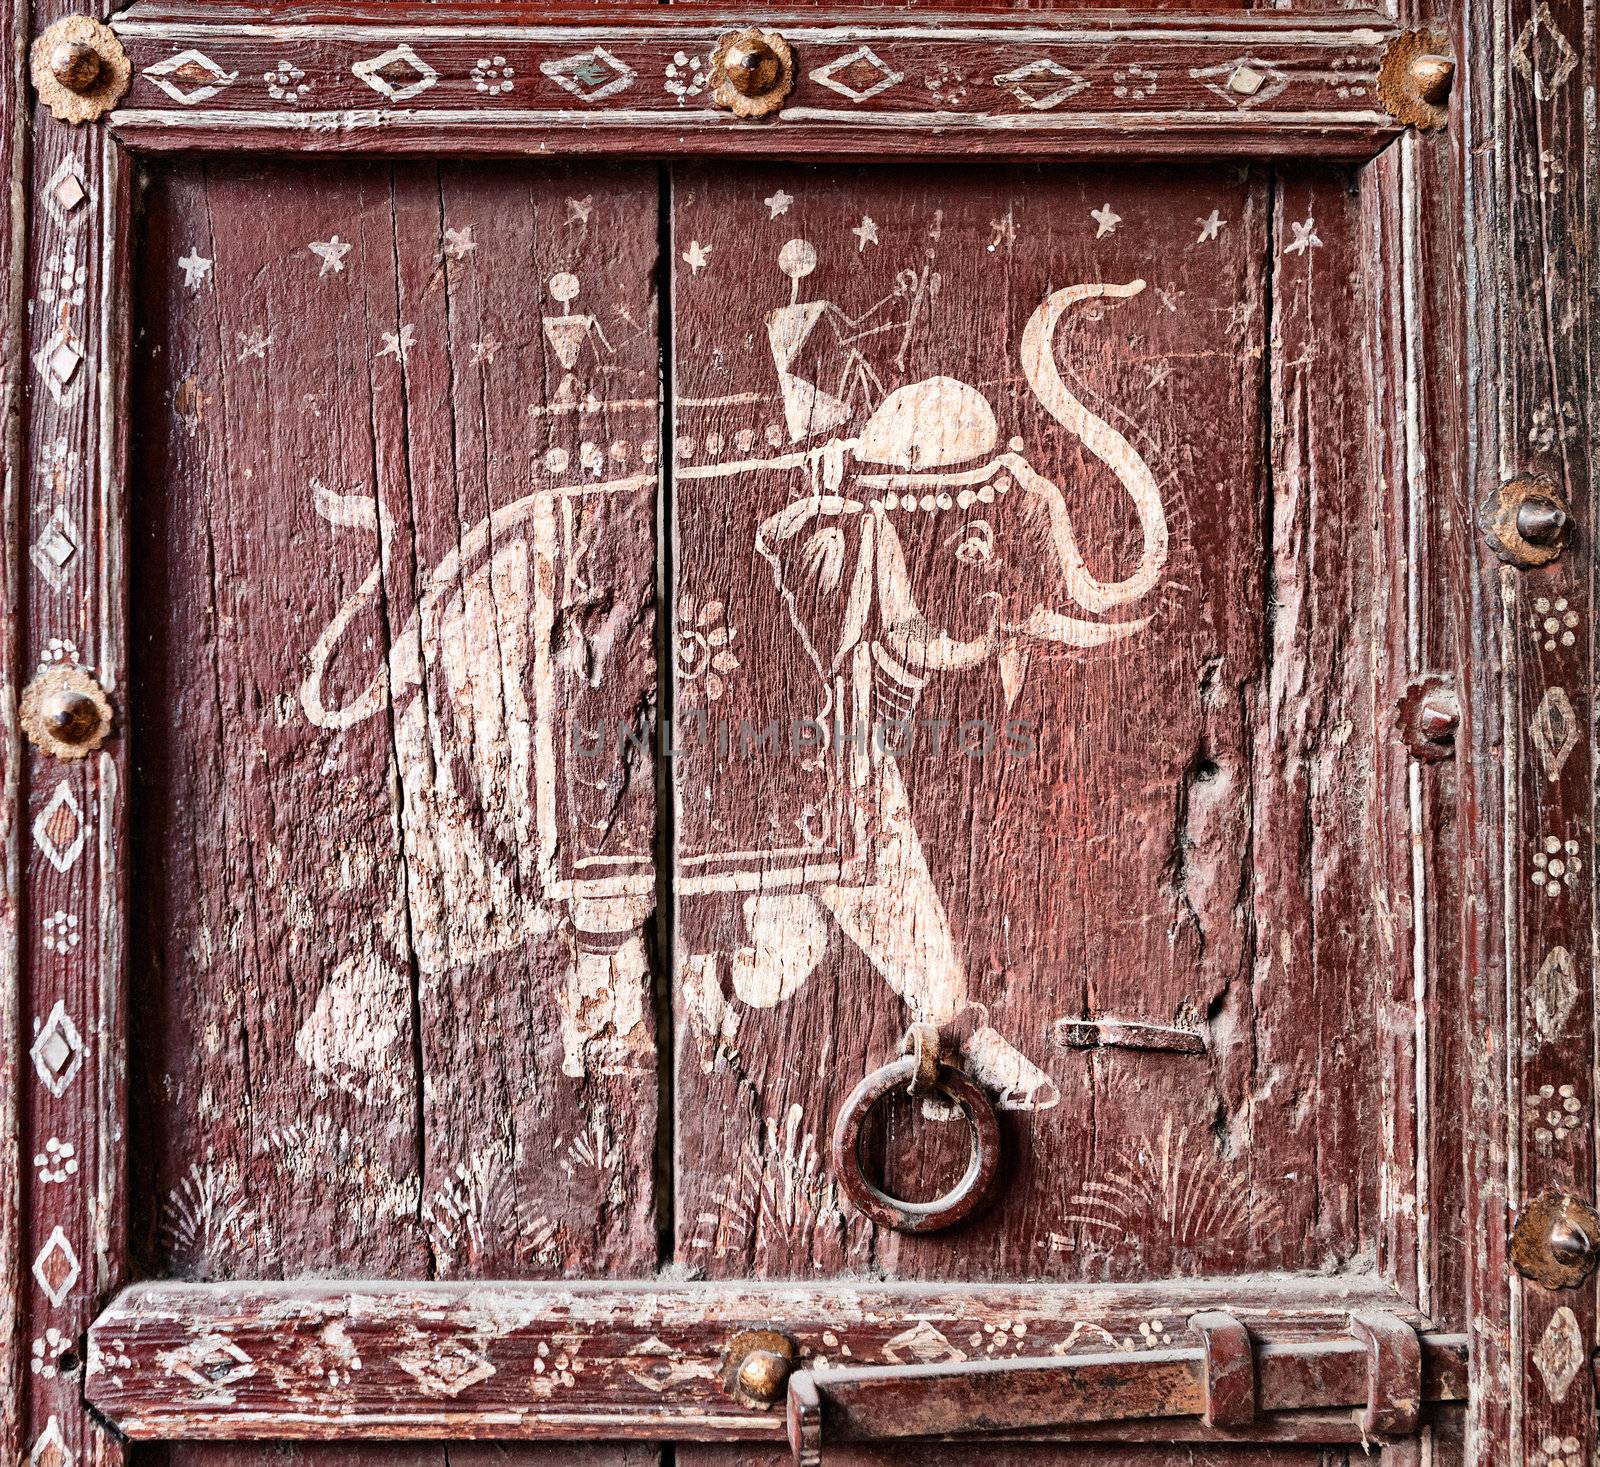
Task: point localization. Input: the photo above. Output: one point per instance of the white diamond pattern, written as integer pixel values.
(59, 829)
(867, 74)
(57, 1050)
(412, 75)
(56, 1269)
(57, 543)
(190, 77)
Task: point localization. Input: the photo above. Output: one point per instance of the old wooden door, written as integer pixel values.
(742, 746)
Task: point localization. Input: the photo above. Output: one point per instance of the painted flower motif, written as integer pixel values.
(703, 646)
(1559, 1451)
(1553, 621)
(1555, 1113)
(1556, 866)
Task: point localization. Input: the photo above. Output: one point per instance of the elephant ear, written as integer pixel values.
(822, 560)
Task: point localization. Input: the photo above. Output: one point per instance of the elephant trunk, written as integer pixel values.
(1106, 444)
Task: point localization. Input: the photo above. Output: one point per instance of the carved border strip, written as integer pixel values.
(232, 1361)
(1263, 88)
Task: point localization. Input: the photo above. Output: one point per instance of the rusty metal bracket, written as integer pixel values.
(1416, 77)
(79, 69)
(1429, 716)
(65, 712)
(1556, 1241)
(752, 72)
(1526, 521)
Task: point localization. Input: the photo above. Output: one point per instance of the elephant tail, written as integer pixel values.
(1106, 444)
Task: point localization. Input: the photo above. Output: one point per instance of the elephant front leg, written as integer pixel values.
(603, 997)
(897, 919)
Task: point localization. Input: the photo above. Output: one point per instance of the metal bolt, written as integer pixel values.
(763, 1374)
(1569, 1244)
(1433, 76)
(752, 66)
(70, 716)
(1541, 521)
(76, 65)
(1438, 716)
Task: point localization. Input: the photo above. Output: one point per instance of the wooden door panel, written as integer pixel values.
(1206, 789)
(388, 547)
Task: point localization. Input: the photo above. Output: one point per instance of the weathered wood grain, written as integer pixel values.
(394, 546)
(632, 82)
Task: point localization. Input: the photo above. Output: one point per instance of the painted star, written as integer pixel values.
(253, 344)
(1159, 373)
(398, 344)
(1005, 231)
(1305, 237)
(1210, 226)
(1107, 218)
(331, 252)
(459, 243)
(866, 232)
(579, 210)
(778, 203)
(484, 351)
(697, 256)
(195, 268)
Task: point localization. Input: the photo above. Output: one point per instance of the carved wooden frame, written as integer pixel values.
(1482, 369)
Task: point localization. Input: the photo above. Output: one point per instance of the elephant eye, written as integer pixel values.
(974, 542)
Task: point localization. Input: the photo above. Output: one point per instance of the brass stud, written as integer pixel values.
(1556, 1240)
(752, 72)
(1526, 521)
(65, 712)
(1430, 716)
(1542, 521)
(1434, 76)
(76, 65)
(756, 1366)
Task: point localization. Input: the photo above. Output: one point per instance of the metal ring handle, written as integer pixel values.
(962, 1200)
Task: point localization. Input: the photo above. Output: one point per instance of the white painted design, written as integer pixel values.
(55, 547)
(1555, 991)
(59, 829)
(493, 75)
(571, 331)
(196, 268)
(459, 243)
(59, 651)
(1106, 220)
(398, 344)
(579, 210)
(1554, 622)
(65, 193)
(592, 75)
(1210, 227)
(1135, 82)
(445, 1369)
(254, 344)
(1244, 83)
(213, 1364)
(922, 1344)
(357, 1035)
(1555, 732)
(778, 203)
(697, 256)
(1005, 231)
(397, 75)
(1305, 237)
(1556, 865)
(206, 1223)
(59, 361)
(1550, 425)
(705, 657)
(1542, 55)
(866, 232)
(1160, 372)
(1558, 1451)
(1041, 85)
(485, 350)
(286, 82)
(190, 77)
(47, 1351)
(475, 1215)
(331, 252)
(57, 1162)
(1185, 1193)
(62, 276)
(51, 1450)
(686, 77)
(1560, 1353)
(657, 1366)
(1554, 1112)
(60, 931)
(56, 1268)
(857, 75)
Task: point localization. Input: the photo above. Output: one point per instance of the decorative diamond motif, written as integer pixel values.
(398, 74)
(590, 76)
(1042, 84)
(190, 77)
(922, 1343)
(52, 552)
(857, 74)
(1243, 83)
(213, 1362)
(58, 361)
(57, 1050)
(56, 1268)
(1560, 1354)
(447, 1371)
(66, 193)
(51, 1448)
(59, 829)
(657, 1366)
(1555, 991)
(1542, 54)
(1555, 732)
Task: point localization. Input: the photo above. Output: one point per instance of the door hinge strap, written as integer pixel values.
(1383, 1370)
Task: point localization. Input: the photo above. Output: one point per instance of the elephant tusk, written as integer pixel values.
(1072, 631)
